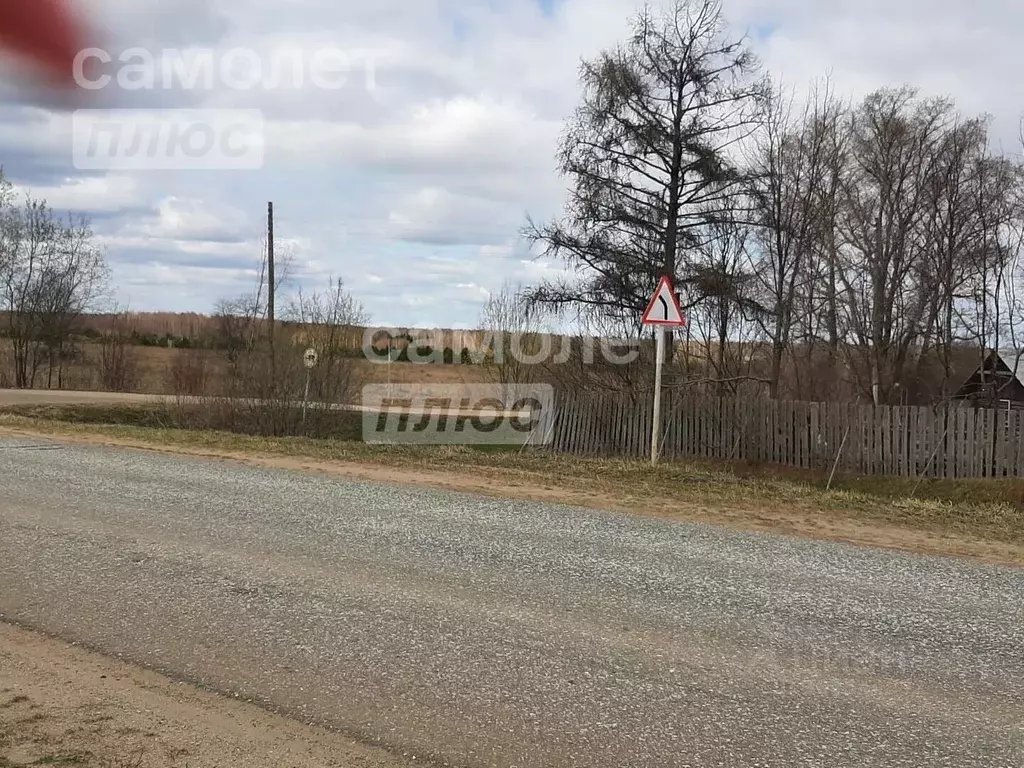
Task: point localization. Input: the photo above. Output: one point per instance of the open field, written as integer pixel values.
(982, 519)
(155, 370)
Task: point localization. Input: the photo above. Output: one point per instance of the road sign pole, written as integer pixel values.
(663, 312)
(659, 364)
(309, 359)
(305, 396)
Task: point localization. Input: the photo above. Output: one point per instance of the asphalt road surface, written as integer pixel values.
(479, 632)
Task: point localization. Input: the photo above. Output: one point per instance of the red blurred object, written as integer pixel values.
(43, 31)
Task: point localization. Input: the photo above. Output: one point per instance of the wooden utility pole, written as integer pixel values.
(270, 269)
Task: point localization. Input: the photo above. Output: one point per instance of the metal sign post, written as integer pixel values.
(309, 359)
(663, 312)
(659, 365)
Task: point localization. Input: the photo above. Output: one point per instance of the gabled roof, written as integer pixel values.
(969, 371)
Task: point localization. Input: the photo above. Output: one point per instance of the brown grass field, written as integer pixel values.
(155, 370)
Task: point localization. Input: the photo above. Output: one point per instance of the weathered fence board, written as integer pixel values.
(903, 441)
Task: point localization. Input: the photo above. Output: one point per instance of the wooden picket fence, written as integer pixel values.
(953, 442)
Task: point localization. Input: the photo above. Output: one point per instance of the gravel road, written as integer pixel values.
(468, 631)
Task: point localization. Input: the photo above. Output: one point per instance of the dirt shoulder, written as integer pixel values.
(63, 705)
(990, 533)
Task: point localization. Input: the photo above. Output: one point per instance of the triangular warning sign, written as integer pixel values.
(664, 307)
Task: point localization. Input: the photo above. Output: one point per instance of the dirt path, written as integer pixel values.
(63, 705)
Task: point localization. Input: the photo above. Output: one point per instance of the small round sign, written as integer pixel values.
(310, 358)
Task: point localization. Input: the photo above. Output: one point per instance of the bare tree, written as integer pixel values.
(51, 272)
(515, 345)
(1000, 181)
(75, 283)
(240, 320)
(726, 318)
(118, 364)
(1013, 285)
(895, 138)
(952, 235)
(650, 152)
(326, 322)
(845, 253)
(793, 183)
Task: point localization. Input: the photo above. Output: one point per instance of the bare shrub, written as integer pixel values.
(6, 367)
(263, 389)
(512, 336)
(118, 360)
(325, 323)
(265, 386)
(81, 377)
(189, 373)
(263, 395)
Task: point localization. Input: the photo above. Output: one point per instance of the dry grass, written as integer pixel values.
(770, 498)
(159, 370)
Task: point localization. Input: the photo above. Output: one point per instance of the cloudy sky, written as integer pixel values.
(412, 180)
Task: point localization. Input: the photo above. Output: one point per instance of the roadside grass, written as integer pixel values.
(987, 510)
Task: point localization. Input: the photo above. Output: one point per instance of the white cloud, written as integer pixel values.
(414, 191)
(438, 215)
(194, 220)
(91, 195)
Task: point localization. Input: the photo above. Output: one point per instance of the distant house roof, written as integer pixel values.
(988, 378)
